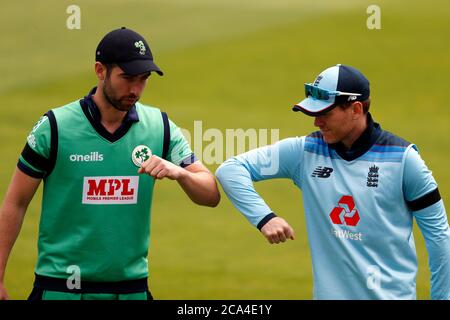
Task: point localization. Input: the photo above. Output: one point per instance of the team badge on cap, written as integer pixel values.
(129, 50)
(140, 154)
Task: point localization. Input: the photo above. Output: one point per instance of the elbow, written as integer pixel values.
(212, 201)
(210, 196)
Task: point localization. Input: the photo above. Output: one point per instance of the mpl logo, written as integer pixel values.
(345, 208)
(110, 190)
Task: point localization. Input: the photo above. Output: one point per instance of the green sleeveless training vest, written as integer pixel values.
(96, 207)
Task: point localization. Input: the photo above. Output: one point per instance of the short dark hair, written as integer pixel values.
(365, 104)
(109, 67)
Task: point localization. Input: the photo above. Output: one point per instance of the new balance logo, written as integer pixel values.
(322, 172)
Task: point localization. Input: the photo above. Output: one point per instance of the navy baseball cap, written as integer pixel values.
(335, 85)
(129, 50)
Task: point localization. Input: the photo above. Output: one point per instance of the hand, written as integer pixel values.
(3, 293)
(277, 230)
(159, 168)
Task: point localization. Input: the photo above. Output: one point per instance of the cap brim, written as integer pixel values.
(314, 107)
(135, 67)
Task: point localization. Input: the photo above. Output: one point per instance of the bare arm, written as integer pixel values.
(200, 185)
(196, 180)
(20, 192)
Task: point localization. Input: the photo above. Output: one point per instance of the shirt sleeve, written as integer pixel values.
(422, 196)
(180, 153)
(34, 159)
(236, 175)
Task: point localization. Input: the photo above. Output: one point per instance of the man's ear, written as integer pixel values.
(358, 110)
(100, 70)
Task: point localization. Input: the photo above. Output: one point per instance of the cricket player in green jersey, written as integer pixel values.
(99, 157)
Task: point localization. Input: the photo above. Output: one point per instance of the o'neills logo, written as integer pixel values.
(93, 156)
(110, 190)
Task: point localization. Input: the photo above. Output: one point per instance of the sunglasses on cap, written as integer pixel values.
(324, 94)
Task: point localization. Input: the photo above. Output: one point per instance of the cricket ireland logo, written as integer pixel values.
(140, 154)
(141, 46)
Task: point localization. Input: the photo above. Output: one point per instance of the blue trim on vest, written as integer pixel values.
(53, 142)
(166, 139)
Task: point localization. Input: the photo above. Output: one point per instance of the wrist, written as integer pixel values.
(266, 219)
(182, 175)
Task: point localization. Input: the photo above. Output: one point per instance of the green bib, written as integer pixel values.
(96, 207)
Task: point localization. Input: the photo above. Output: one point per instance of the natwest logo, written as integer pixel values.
(110, 190)
(346, 209)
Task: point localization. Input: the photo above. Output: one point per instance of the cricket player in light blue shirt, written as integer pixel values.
(362, 187)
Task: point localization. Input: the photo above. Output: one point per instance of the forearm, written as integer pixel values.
(434, 227)
(237, 183)
(201, 187)
(439, 262)
(11, 219)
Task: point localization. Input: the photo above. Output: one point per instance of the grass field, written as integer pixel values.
(231, 64)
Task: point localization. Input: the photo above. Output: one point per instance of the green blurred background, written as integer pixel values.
(231, 64)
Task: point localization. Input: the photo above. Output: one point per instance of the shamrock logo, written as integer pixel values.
(140, 154)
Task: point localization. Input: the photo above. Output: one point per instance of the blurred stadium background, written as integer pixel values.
(231, 64)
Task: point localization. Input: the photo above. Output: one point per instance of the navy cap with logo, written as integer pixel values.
(128, 50)
(333, 86)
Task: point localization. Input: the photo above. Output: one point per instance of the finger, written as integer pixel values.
(282, 236)
(150, 167)
(269, 238)
(157, 169)
(151, 159)
(275, 239)
(162, 174)
(146, 162)
(150, 164)
(291, 233)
